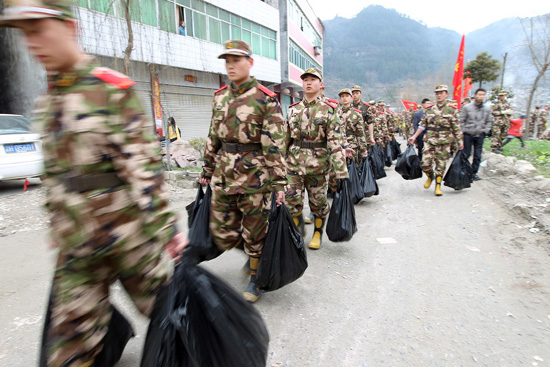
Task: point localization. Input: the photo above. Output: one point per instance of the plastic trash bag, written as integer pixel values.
(377, 161)
(341, 224)
(355, 184)
(388, 156)
(368, 183)
(396, 148)
(119, 332)
(408, 165)
(198, 320)
(460, 174)
(194, 206)
(283, 258)
(199, 229)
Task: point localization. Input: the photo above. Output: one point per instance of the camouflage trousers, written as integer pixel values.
(316, 186)
(532, 127)
(540, 128)
(434, 158)
(240, 218)
(500, 130)
(81, 310)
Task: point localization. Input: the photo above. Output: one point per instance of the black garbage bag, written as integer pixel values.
(194, 206)
(355, 183)
(460, 174)
(388, 155)
(368, 183)
(377, 161)
(283, 258)
(198, 320)
(119, 332)
(396, 148)
(200, 237)
(408, 165)
(341, 224)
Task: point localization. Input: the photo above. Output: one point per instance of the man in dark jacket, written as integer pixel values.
(416, 120)
(476, 120)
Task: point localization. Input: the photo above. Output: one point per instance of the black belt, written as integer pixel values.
(239, 148)
(310, 144)
(83, 183)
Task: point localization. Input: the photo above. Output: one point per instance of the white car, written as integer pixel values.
(20, 149)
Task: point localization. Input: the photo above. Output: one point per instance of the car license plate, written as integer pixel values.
(19, 148)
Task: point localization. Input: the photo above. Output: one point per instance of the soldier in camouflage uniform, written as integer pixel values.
(442, 129)
(105, 190)
(244, 159)
(381, 123)
(351, 123)
(366, 112)
(391, 121)
(316, 149)
(501, 123)
(536, 119)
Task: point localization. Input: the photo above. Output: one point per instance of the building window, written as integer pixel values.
(301, 21)
(300, 58)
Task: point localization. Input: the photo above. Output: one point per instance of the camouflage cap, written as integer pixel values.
(356, 87)
(345, 90)
(441, 88)
(35, 9)
(372, 101)
(381, 103)
(236, 48)
(503, 93)
(312, 71)
(537, 107)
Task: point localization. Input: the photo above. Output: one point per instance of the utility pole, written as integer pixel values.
(503, 69)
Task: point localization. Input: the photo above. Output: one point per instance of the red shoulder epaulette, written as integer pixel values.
(331, 105)
(222, 88)
(294, 104)
(112, 77)
(453, 106)
(357, 110)
(333, 101)
(430, 106)
(267, 91)
(366, 104)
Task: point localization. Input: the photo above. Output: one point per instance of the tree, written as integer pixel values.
(537, 36)
(484, 68)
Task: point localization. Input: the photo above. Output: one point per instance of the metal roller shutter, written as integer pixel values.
(143, 90)
(190, 107)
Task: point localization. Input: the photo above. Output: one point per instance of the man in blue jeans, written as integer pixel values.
(476, 120)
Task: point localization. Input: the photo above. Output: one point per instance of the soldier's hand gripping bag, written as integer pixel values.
(460, 173)
(355, 183)
(200, 238)
(283, 258)
(396, 149)
(388, 156)
(377, 156)
(368, 183)
(119, 332)
(408, 165)
(198, 320)
(341, 224)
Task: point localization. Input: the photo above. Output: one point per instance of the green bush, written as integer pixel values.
(198, 144)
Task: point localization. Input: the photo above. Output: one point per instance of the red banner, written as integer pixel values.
(459, 74)
(157, 108)
(409, 104)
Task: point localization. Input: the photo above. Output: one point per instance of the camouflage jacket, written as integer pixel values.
(502, 110)
(366, 111)
(380, 125)
(441, 125)
(390, 121)
(537, 116)
(250, 114)
(352, 128)
(316, 121)
(92, 123)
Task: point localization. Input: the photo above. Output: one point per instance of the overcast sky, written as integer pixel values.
(461, 18)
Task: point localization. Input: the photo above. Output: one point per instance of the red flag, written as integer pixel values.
(409, 104)
(467, 84)
(459, 74)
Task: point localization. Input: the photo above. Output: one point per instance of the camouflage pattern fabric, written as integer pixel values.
(90, 126)
(367, 112)
(242, 181)
(381, 125)
(442, 130)
(315, 121)
(501, 123)
(351, 122)
(236, 218)
(533, 119)
(435, 157)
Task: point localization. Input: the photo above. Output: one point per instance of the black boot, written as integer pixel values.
(252, 293)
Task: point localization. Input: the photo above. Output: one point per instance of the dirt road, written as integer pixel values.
(426, 281)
